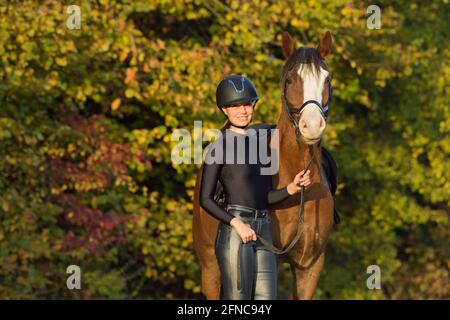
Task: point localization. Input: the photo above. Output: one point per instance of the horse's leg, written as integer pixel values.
(305, 280)
(210, 275)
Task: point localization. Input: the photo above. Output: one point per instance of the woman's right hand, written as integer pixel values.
(244, 230)
(302, 179)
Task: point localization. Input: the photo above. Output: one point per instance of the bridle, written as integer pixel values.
(290, 109)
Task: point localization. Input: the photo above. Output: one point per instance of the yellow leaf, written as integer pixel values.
(71, 147)
(130, 74)
(129, 93)
(61, 61)
(115, 104)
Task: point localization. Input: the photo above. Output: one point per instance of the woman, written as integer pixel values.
(248, 270)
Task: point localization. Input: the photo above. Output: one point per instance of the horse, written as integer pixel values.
(301, 224)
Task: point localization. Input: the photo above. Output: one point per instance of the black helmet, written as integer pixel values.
(235, 89)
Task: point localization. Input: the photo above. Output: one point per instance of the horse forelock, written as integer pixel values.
(307, 56)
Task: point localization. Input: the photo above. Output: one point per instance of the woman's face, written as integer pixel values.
(240, 114)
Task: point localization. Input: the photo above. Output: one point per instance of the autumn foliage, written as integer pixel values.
(86, 118)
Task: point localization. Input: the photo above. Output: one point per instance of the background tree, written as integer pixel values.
(86, 118)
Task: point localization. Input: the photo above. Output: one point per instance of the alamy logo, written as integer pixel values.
(74, 281)
(374, 20)
(74, 20)
(242, 85)
(187, 148)
(374, 281)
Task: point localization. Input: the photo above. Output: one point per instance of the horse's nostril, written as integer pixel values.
(303, 124)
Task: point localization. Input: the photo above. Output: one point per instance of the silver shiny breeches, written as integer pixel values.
(248, 271)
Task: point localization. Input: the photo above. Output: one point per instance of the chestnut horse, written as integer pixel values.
(305, 86)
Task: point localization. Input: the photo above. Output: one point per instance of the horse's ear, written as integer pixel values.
(325, 45)
(288, 44)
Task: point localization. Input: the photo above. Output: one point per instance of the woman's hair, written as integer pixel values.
(225, 126)
(227, 123)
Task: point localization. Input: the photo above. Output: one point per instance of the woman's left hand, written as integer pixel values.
(302, 179)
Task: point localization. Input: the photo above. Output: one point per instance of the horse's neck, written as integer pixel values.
(293, 156)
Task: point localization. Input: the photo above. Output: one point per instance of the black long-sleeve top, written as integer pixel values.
(239, 173)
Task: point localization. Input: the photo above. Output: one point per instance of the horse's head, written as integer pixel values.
(305, 87)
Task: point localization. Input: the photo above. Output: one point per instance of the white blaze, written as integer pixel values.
(312, 82)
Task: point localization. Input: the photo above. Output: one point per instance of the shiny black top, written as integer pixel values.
(239, 173)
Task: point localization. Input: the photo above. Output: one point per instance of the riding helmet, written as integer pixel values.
(235, 89)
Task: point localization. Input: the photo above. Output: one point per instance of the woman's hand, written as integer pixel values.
(302, 179)
(243, 229)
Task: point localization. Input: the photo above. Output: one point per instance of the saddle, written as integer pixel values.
(329, 166)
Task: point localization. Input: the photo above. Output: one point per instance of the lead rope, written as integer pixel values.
(300, 228)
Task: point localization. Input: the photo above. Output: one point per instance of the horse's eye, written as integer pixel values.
(288, 81)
